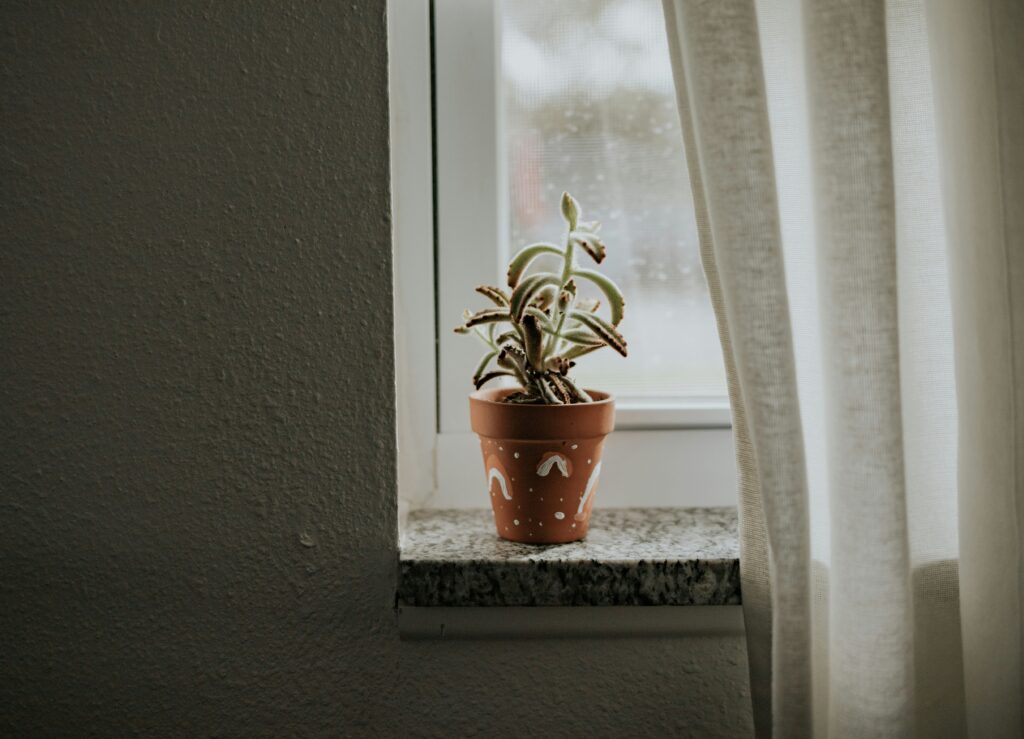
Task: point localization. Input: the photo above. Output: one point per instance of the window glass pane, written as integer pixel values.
(589, 107)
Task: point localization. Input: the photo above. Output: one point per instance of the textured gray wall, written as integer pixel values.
(197, 465)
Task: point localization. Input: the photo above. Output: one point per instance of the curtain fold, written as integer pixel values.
(977, 51)
(858, 177)
(721, 96)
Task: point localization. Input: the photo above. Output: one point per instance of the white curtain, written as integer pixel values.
(858, 173)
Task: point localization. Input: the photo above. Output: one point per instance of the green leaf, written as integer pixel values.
(590, 243)
(579, 351)
(580, 393)
(487, 315)
(542, 318)
(513, 360)
(515, 353)
(479, 382)
(582, 337)
(545, 297)
(496, 294)
(534, 340)
(526, 290)
(616, 303)
(602, 329)
(568, 292)
(522, 260)
(480, 368)
(548, 395)
(560, 390)
(507, 337)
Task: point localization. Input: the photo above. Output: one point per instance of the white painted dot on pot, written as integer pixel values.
(588, 461)
(515, 521)
(531, 490)
(541, 523)
(559, 515)
(501, 448)
(575, 446)
(574, 525)
(516, 455)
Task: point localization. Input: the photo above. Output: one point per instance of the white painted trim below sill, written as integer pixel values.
(438, 624)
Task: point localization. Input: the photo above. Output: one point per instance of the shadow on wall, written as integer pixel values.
(198, 462)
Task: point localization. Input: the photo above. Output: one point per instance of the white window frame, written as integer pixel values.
(662, 453)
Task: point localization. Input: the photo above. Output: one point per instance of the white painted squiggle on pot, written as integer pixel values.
(495, 474)
(591, 482)
(550, 461)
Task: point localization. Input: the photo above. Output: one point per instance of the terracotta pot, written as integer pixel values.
(542, 463)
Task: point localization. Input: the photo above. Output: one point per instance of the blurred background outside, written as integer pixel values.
(589, 106)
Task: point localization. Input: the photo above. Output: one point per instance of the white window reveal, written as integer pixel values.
(530, 98)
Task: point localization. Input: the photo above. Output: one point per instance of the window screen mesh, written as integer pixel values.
(589, 107)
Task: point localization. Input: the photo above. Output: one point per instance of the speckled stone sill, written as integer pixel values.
(632, 556)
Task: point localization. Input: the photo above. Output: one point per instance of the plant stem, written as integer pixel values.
(486, 339)
(568, 264)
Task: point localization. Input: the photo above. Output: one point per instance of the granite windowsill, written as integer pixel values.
(631, 557)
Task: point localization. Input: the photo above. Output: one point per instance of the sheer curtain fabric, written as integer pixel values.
(858, 174)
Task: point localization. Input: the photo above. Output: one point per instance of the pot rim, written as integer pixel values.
(488, 395)
(493, 419)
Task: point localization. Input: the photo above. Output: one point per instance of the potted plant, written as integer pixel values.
(542, 440)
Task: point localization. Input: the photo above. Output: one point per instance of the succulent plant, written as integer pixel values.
(537, 329)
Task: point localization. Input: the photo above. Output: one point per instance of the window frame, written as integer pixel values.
(431, 43)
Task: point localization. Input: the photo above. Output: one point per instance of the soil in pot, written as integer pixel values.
(542, 463)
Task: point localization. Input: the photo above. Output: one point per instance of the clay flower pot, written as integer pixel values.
(542, 463)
